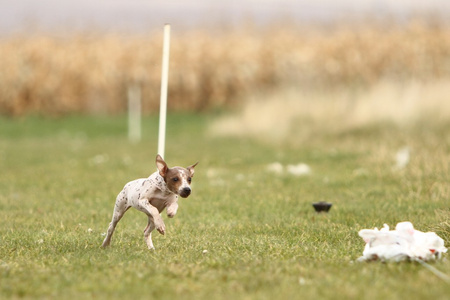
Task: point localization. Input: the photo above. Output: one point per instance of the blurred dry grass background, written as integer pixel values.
(90, 72)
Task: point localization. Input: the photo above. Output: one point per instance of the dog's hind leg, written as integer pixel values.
(119, 210)
(148, 233)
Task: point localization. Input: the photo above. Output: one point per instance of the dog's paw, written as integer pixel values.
(161, 228)
(172, 210)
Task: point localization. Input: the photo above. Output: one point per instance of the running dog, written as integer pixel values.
(151, 196)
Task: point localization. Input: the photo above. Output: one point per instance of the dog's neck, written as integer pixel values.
(160, 183)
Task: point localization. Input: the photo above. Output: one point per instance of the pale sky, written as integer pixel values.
(142, 15)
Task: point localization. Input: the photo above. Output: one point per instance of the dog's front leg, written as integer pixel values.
(172, 210)
(152, 212)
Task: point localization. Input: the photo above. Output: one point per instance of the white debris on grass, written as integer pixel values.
(275, 167)
(403, 243)
(299, 170)
(402, 158)
(204, 251)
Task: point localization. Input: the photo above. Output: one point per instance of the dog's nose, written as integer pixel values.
(185, 192)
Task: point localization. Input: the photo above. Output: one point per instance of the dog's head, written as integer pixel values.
(178, 179)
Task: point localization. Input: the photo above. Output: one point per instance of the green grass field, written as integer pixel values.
(59, 179)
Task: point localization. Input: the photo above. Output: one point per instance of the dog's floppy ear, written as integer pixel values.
(191, 169)
(161, 165)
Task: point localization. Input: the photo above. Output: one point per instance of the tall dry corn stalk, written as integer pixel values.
(89, 73)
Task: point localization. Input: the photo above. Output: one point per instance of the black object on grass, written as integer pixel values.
(322, 206)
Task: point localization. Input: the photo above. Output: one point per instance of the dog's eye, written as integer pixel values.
(189, 179)
(175, 179)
